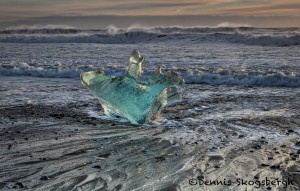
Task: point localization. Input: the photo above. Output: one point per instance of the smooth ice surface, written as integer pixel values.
(131, 97)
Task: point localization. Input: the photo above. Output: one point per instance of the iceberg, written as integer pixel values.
(128, 96)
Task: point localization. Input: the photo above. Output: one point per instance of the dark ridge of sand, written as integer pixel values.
(63, 148)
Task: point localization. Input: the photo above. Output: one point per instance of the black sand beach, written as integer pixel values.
(61, 147)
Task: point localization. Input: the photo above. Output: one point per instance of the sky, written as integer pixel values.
(124, 13)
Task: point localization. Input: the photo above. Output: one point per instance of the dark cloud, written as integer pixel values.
(102, 21)
(137, 6)
(267, 8)
(282, 6)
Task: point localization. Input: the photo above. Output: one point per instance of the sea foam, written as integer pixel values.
(114, 35)
(204, 76)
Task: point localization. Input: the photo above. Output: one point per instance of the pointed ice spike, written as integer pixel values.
(135, 64)
(158, 70)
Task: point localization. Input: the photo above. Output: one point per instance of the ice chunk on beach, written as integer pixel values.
(128, 96)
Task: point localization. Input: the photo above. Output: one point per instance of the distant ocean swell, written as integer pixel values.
(243, 35)
(213, 77)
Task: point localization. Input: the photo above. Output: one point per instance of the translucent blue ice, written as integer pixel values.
(128, 96)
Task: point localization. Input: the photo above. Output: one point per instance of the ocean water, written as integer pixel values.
(42, 66)
(242, 83)
(241, 57)
(235, 56)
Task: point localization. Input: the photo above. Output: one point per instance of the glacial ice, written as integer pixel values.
(128, 96)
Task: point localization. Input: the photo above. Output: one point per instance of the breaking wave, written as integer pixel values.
(278, 79)
(37, 27)
(130, 37)
(40, 29)
(243, 35)
(207, 76)
(24, 69)
(266, 39)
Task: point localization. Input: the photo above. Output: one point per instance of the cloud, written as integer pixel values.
(125, 7)
(264, 8)
(16, 9)
(102, 21)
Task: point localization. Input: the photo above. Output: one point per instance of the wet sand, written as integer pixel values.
(61, 147)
